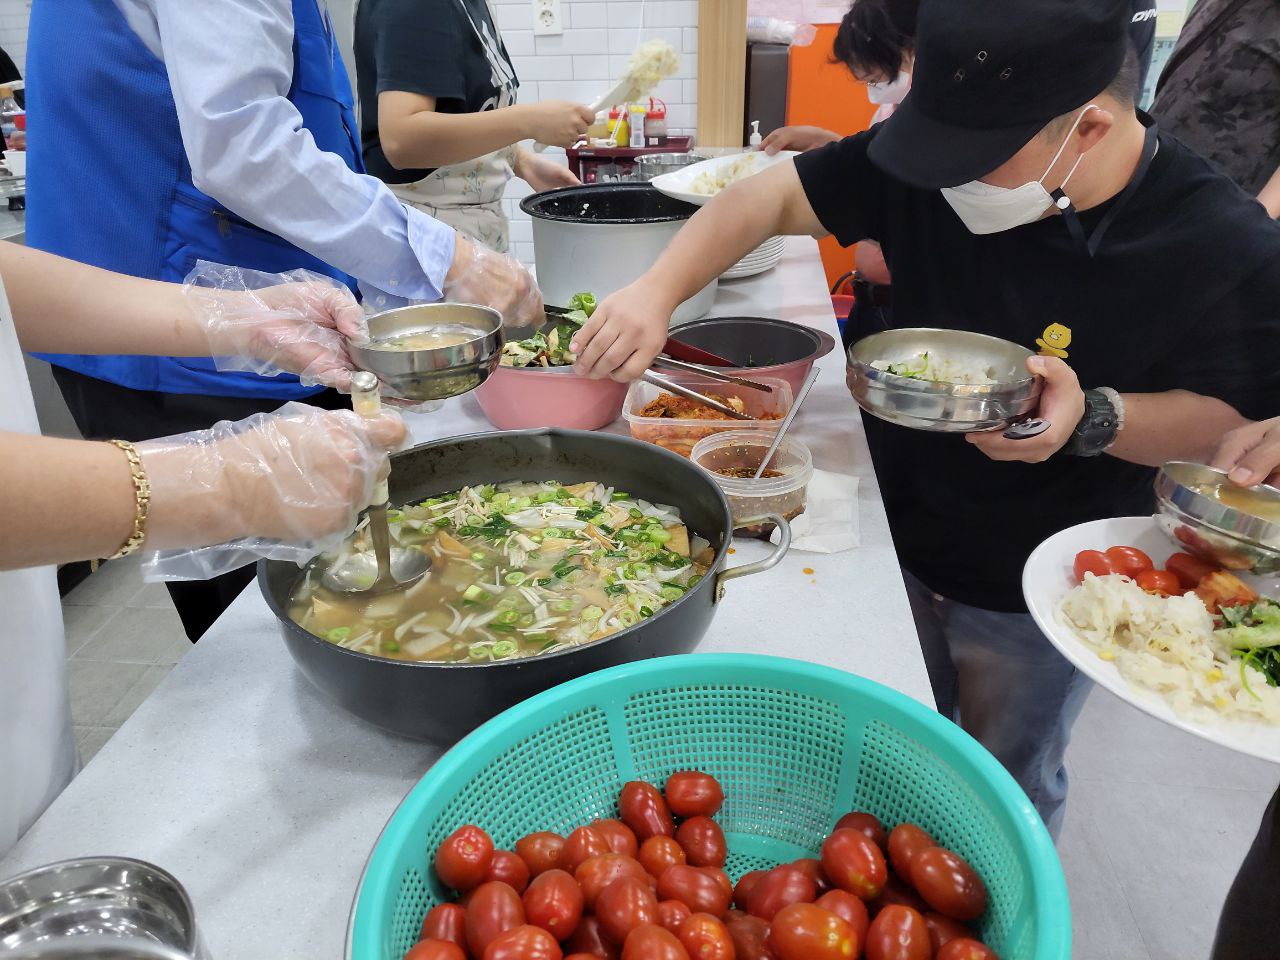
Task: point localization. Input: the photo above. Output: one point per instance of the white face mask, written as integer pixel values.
(985, 208)
(890, 91)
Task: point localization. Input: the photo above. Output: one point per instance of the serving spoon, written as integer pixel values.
(383, 569)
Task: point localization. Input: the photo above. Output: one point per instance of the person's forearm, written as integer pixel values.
(1269, 197)
(729, 227)
(1176, 425)
(67, 500)
(426, 138)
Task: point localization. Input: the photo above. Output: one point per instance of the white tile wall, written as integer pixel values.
(579, 64)
(13, 30)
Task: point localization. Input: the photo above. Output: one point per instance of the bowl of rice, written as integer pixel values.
(943, 381)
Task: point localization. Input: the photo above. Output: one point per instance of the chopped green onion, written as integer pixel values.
(527, 620)
(553, 533)
(478, 556)
(695, 580)
(607, 530)
(646, 612)
(564, 606)
(592, 613)
(634, 554)
(395, 516)
(642, 571)
(442, 522)
(507, 617)
(614, 589)
(660, 537)
(390, 646)
(671, 594)
(479, 651)
(563, 494)
(504, 648)
(474, 594)
(338, 634)
(619, 495)
(628, 618)
(501, 627)
(515, 577)
(635, 513)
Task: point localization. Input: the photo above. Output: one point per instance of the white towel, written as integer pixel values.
(829, 523)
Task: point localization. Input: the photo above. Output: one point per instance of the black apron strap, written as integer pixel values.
(1150, 144)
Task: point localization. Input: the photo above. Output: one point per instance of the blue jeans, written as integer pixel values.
(997, 676)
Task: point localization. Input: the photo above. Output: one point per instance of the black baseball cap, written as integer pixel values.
(988, 76)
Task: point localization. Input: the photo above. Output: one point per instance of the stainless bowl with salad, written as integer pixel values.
(944, 381)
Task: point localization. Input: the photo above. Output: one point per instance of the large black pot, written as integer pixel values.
(441, 702)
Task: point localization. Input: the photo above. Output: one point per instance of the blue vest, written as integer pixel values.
(109, 182)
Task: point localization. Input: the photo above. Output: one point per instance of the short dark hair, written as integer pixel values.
(868, 41)
(1125, 85)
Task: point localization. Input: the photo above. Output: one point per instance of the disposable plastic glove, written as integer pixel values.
(286, 485)
(479, 275)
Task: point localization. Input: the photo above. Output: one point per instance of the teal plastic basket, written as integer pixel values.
(794, 745)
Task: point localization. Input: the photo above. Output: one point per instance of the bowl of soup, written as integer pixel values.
(431, 351)
(1234, 527)
(554, 553)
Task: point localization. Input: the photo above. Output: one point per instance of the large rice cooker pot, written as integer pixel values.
(601, 237)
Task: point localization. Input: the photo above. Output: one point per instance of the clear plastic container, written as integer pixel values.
(782, 490)
(679, 435)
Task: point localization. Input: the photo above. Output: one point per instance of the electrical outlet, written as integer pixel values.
(546, 18)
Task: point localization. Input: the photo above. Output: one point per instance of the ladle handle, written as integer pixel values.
(366, 400)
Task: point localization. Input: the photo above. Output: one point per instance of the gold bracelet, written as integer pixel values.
(142, 500)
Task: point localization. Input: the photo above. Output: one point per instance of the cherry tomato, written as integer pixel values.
(742, 892)
(896, 892)
(598, 872)
(852, 862)
(554, 903)
(848, 908)
(463, 858)
(804, 931)
(1095, 562)
(722, 878)
(446, 921)
(697, 889)
(948, 884)
(693, 794)
(644, 811)
(580, 846)
(778, 888)
(583, 956)
(1188, 569)
(524, 943)
(1160, 582)
(898, 933)
(864, 823)
(1129, 560)
(540, 851)
(703, 842)
(588, 939)
(705, 938)
(905, 841)
(618, 836)
(963, 948)
(658, 853)
(942, 930)
(672, 913)
(435, 950)
(750, 938)
(814, 869)
(494, 908)
(651, 942)
(623, 905)
(510, 869)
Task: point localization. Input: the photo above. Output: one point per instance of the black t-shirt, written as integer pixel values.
(1184, 292)
(447, 49)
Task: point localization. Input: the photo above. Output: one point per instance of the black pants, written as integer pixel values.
(105, 411)
(1245, 929)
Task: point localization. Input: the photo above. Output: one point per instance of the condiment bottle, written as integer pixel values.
(618, 126)
(655, 124)
(636, 115)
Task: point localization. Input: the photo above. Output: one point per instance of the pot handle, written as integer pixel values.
(760, 566)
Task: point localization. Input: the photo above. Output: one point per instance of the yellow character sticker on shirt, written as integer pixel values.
(1054, 341)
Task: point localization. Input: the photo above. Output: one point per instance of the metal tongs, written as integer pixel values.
(711, 373)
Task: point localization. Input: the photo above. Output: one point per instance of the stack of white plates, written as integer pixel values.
(762, 258)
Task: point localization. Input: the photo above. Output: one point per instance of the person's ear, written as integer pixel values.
(1094, 125)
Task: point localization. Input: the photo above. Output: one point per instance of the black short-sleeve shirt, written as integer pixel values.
(1183, 293)
(447, 49)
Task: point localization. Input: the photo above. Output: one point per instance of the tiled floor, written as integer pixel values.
(1157, 821)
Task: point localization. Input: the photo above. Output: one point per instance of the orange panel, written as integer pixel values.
(824, 94)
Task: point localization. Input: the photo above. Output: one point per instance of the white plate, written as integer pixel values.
(677, 183)
(762, 258)
(1048, 576)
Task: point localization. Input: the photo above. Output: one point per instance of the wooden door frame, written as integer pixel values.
(722, 71)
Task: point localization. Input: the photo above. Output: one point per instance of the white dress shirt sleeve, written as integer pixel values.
(230, 64)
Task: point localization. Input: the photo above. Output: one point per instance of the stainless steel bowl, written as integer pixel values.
(96, 947)
(650, 165)
(438, 372)
(105, 896)
(1204, 525)
(944, 407)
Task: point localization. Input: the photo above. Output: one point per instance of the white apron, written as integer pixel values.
(37, 749)
(468, 195)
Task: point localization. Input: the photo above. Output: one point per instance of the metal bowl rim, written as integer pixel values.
(708, 580)
(892, 381)
(1253, 531)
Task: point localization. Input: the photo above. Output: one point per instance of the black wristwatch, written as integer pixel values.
(1097, 429)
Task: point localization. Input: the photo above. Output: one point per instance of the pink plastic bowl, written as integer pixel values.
(526, 398)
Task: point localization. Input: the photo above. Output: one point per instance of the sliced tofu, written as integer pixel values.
(582, 490)
(450, 545)
(679, 542)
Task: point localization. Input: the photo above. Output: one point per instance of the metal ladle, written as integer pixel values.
(382, 569)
